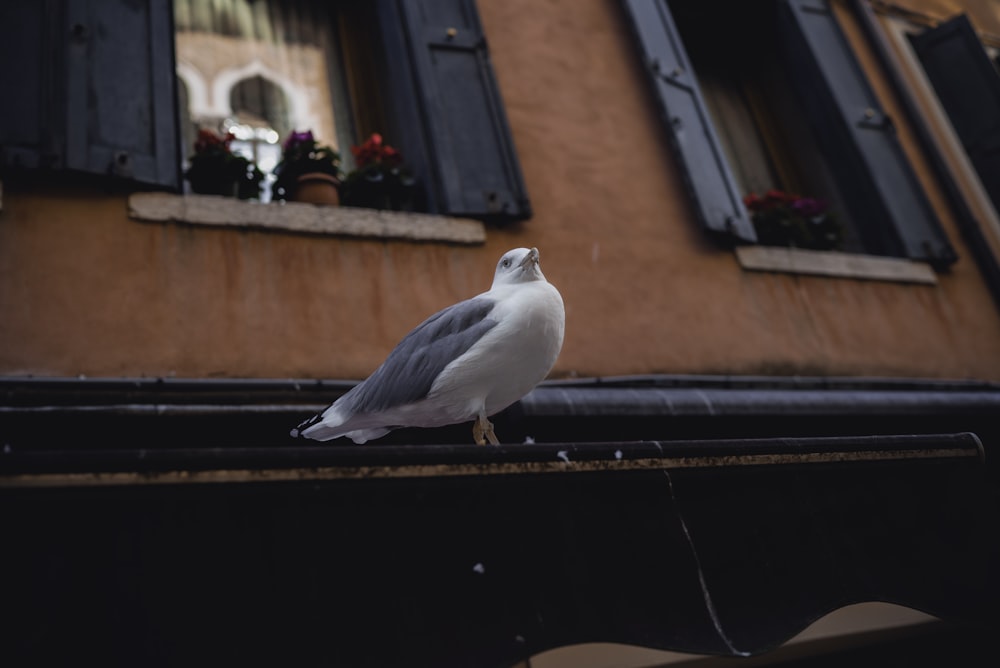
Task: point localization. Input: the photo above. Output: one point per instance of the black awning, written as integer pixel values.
(470, 556)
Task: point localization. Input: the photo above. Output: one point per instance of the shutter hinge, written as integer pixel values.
(874, 119)
(675, 77)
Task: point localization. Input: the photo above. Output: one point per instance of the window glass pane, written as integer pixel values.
(260, 69)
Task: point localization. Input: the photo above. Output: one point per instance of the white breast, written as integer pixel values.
(513, 357)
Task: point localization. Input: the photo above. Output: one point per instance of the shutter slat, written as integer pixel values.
(710, 182)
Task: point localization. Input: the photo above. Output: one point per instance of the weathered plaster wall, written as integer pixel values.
(89, 291)
(85, 290)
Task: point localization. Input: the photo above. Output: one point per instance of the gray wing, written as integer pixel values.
(410, 369)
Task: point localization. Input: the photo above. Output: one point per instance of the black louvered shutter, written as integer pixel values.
(710, 182)
(466, 137)
(103, 98)
(968, 86)
(886, 199)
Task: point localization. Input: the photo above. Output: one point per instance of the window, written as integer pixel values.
(779, 101)
(98, 89)
(763, 129)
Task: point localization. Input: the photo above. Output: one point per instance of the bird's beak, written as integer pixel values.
(530, 259)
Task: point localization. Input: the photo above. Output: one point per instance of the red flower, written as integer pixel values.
(772, 199)
(374, 152)
(210, 142)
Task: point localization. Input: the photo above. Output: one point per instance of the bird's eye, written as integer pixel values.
(505, 262)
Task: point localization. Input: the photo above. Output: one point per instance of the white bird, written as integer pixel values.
(466, 362)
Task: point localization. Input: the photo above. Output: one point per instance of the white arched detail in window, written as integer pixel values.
(197, 89)
(300, 111)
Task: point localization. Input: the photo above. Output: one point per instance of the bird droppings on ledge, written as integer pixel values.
(563, 455)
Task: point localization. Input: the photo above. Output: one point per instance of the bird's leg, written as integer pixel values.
(490, 435)
(482, 431)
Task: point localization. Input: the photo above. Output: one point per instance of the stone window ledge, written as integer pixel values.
(829, 263)
(303, 218)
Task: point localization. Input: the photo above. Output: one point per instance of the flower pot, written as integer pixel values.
(376, 190)
(317, 188)
(230, 177)
(211, 182)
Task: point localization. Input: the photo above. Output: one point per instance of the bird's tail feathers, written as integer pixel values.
(324, 426)
(301, 429)
(328, 427)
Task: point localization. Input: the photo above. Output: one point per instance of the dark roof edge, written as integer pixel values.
(709, 401)
(647, 395)
(15, 382)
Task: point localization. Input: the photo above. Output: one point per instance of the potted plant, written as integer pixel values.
(379, 179)
(783, 219)
(216, 170)
(308, 171)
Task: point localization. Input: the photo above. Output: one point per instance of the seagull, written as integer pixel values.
(467, 362)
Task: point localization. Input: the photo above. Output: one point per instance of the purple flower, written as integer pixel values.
(298, 138)
(808, 207)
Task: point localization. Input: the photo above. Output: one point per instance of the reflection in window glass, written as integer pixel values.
(260, 69)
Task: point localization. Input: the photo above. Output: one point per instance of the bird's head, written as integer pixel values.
(518, 266)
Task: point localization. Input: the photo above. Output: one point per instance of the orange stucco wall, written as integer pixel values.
(86, 290)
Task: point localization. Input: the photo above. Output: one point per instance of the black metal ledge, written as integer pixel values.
(477, 556)
(142, 466)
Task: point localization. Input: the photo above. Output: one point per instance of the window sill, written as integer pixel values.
(829, 263)
(303, 218)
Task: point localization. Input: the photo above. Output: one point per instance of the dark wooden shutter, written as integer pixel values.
(120, 93)
(105, 93)
(466, 135)
(859, 140)
(710, 182)
(968, 86)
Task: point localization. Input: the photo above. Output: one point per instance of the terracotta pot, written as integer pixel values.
(318, 188)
